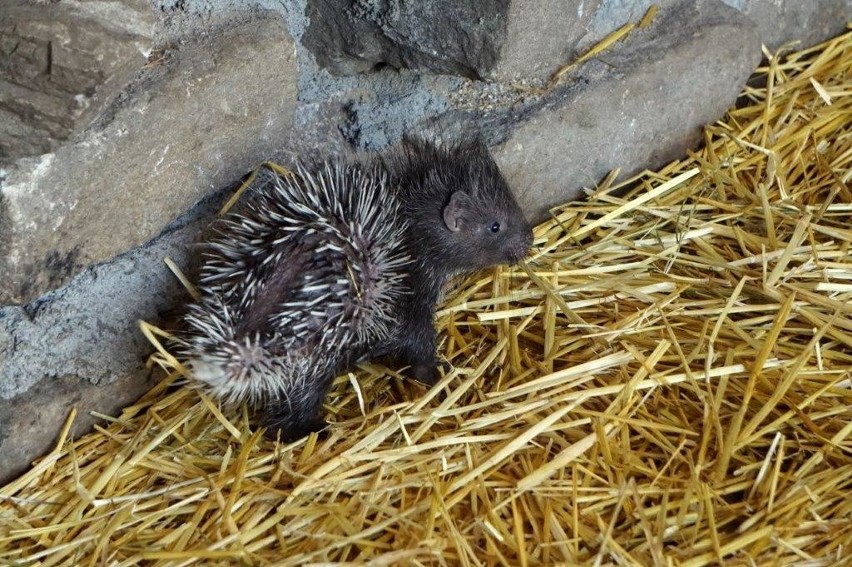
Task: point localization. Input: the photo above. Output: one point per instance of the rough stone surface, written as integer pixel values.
(807, 22)
(642, 110)
(543, 36)
(778, 21)
(460, 37)
(61, 63)
(80, 346)
(189, 126)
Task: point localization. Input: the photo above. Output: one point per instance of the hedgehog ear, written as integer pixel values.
(456, 210)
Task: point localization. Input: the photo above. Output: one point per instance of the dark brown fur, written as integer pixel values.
(452, 198)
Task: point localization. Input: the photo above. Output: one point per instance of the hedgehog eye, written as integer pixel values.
(495, 227)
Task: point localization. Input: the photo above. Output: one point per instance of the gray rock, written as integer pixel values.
(543, 36)
(641, 110)
(30, 424)
(80, 346)
(376, 118)
(784, 21)
(514, 40)
(61, 63)
(445, 36)
(612, 14)
(532, 40)
(191, 125)
(778, 21)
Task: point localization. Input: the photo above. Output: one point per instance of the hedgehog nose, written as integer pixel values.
(525, 244)
(519, 252)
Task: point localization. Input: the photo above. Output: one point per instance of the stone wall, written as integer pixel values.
(116, 118)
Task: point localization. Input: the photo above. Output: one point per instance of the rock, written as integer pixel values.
(61, 63)
(80, 346)
(195, 123)
(641, 110)
(377, 118)
(514, 40)
(784, 21)
(444, 36)
(778, 21)
(543, 36)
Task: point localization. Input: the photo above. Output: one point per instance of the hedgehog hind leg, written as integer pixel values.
(299, 413)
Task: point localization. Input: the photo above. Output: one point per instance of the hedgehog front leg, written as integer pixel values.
(299, 413)
(416, 349)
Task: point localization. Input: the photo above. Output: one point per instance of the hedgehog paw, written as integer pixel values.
(295, 430)
(425, 373)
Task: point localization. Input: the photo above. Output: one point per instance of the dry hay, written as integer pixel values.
(668, 383)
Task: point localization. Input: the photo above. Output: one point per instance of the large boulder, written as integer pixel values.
(60, 65)
(80, 346)
(641, 109)
(461, 37)
(193, 121)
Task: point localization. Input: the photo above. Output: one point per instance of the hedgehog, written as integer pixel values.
(345, 262)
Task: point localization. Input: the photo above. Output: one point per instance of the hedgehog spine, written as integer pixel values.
(315, 261)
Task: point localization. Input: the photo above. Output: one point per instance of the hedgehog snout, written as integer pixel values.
(521, 246)
(517, 254)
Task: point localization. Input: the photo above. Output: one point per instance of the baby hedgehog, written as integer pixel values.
(324, 268)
